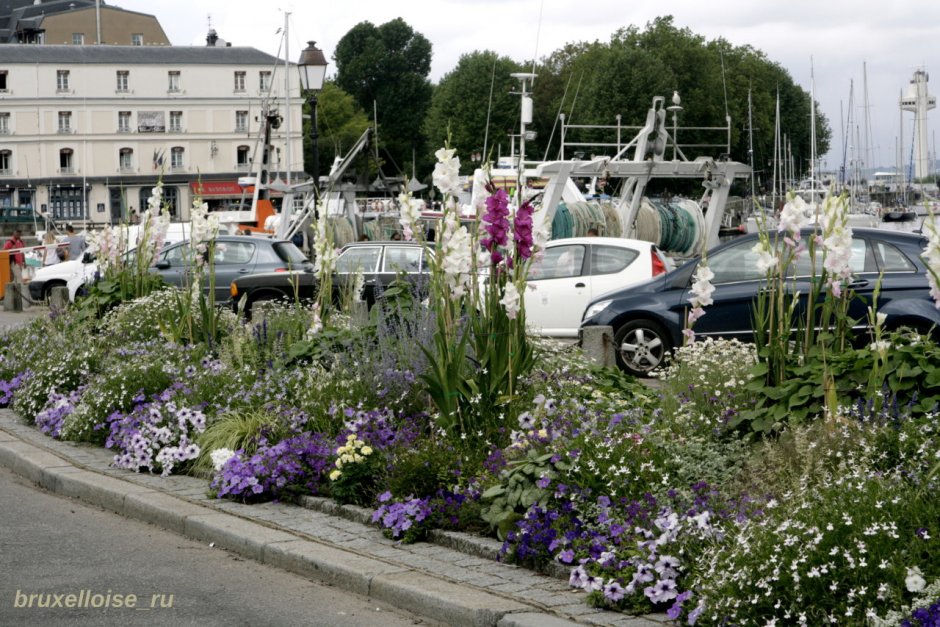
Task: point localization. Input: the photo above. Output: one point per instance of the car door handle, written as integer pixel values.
(243, 271)
(580, 285)
(858, 283)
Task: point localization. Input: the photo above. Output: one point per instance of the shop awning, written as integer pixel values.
(220, 189)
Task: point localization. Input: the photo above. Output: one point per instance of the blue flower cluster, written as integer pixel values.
(7, 388)
(924, 617)
(58, 407)
(403, 520)
(296, 463)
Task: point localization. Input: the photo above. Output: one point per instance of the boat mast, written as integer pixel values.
(812, 124)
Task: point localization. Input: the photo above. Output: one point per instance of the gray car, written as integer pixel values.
(234, 256)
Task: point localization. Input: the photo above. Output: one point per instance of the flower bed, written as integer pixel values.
(442, 419)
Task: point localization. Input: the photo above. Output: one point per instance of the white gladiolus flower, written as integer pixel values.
(931, 257)
(510, 300)
(447, 172)
(409, 215)
(794, 215)
(766, 260)
(457, 250)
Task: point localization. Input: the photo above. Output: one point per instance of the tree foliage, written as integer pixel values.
(461, 106)
(590, 82)
(340, 122)
(385, 69)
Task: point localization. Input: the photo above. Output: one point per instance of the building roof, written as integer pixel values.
(134, 55)
(20, 15)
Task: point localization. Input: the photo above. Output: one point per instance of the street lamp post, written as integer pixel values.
(312, 67)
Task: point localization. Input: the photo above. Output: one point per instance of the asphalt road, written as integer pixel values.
(65, 563)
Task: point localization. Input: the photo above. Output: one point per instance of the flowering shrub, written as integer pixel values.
(158, 435)
(129, 374)
(354, 478)
(57, 409)
(704, 385)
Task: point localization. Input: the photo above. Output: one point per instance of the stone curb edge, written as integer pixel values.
(399, 586)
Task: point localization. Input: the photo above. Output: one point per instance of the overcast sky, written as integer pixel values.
(893, 38)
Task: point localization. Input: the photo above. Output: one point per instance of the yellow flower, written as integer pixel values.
(357, 458)
(339, 463)
(366, 450)
(342, 450)
(350, 437)
(335, 475)
(543, 433)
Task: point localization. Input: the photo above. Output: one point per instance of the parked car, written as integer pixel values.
(58, 275)
(648, 319)
(379, 262)
(575, 271)
(235, 255)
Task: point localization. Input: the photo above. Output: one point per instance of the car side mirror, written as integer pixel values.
(88, 258)
(162, 264)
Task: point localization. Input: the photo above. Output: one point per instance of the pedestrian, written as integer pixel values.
(51, 253)
(77, 244)
(396, 236)
(592, 232)
(17, 259)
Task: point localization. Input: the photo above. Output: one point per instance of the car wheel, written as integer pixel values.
(641, 346)
(47, 288)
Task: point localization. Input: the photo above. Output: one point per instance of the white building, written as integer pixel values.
(87, 131)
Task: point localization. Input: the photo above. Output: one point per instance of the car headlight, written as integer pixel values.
(596, 308)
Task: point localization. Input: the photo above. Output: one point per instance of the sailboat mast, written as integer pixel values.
(812, 124)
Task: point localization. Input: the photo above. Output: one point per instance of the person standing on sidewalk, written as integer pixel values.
(17, 259)
(77, 244)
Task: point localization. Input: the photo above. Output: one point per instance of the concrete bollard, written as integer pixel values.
(598, 345)
(59, 297)
(12, 298)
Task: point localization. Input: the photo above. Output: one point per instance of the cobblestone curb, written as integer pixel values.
(455, 580)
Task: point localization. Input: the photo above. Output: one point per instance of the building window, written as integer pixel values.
(3, 80)
(243, 159)
(65, 121)
(78, 39)
(126, 159)
(65, 161)
(176, 158)
(122, 81)
(174, 81)
(124, 121)
(137, 39)
(6, 162)
(176, 121)
(67, 202)
(62, 80)
(4, 123)
(239, 81)
(241, 121)
(264, 81)
(169, 200)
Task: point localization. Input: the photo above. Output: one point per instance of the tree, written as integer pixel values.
(385, 69)
(340, 122)
(461, 106)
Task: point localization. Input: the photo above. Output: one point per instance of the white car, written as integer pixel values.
(76, 270)
(575, 271)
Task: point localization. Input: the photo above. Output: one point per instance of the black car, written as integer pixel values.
(379, 262)
(648, 319)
